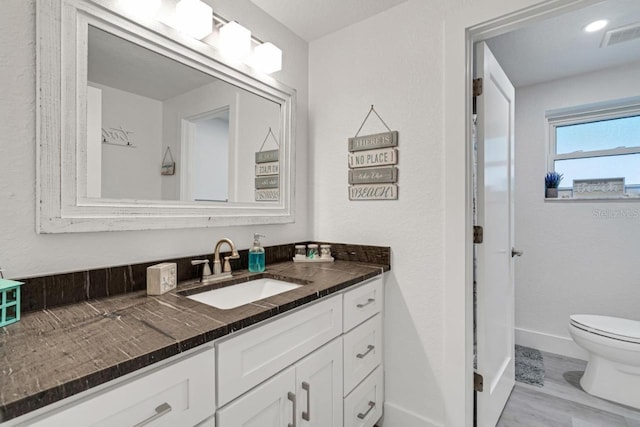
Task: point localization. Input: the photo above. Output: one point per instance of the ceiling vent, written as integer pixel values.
(622, 34)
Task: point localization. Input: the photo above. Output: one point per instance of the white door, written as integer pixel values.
(319, 384)
(494, 274)
(271, 404)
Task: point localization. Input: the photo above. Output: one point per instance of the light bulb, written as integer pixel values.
(235, 41)
(596, 26)
(267, 58)
(194, 18)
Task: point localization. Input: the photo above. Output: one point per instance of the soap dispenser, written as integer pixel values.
(256, 255)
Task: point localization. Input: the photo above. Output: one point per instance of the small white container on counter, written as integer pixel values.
(161, 278)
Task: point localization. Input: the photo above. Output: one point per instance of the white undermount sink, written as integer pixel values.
(233, 296)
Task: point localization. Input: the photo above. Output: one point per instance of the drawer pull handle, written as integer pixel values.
(161, 410)
(371, 406)
(369, 301)
(369, 350)
(292, 398)
(306, 415)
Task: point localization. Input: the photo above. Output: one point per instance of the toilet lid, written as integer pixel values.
(612, 327)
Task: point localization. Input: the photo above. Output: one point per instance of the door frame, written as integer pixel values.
(465, 26)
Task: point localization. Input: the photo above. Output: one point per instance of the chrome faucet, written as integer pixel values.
(217, 269)
(220, 271)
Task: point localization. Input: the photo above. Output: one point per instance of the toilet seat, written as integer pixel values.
(610, 327)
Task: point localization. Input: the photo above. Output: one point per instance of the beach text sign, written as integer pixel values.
(373, 192)
(268, 195)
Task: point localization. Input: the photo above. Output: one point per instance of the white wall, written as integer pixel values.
(25, 253)
(575, 259)
(394, 61)
(131, 173)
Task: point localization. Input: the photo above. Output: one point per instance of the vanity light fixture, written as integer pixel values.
(267, 58)
(142, 8)
(596, 26)
(235, 41)
(195, 18)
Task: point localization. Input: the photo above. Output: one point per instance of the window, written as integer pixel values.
(596, 141)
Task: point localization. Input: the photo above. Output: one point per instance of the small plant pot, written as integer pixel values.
(551, 193)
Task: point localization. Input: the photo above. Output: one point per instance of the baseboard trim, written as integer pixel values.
(397, 416)
(550, 343)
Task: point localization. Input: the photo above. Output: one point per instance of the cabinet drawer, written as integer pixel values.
(182, 393)
(362, 352)
(362, 303)
(251, 357)
(363, 407)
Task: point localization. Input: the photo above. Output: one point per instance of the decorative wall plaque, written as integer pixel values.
(267, 181)
(598, 188)
(371, 158)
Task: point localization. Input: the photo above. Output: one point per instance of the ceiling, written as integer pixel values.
(312, 19)
(558, 47)
(120, 64)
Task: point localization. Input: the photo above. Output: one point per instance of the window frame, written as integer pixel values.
(617, 109)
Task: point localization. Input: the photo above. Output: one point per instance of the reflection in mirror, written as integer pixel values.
(145, 110)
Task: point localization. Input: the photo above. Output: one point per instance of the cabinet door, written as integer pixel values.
(271, 404)
(319, 387)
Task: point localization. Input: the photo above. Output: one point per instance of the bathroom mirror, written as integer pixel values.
(141, 127)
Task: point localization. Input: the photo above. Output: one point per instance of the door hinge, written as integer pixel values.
(477, 382)
(477, 87)
(477, 234)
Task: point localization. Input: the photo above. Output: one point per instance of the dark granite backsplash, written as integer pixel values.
(46, 292)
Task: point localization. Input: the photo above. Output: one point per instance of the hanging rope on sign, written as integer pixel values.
(367, 117)
(168, 167)
(267, 137)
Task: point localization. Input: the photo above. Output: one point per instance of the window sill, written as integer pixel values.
(599, 200)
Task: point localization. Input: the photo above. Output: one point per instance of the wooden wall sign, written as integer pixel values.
(272, 168)
(373, 192)
(381, 157)
(268, 195)
(272, 181)
(598, 188)
(373, 175)
(267, 156)
(267, 180)
(370, 142)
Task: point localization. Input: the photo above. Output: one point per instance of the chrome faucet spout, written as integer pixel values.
(217, 266)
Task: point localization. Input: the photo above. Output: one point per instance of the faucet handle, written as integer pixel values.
(227, 266)
(206, 270)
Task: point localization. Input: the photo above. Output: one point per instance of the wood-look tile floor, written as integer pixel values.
(561, 402)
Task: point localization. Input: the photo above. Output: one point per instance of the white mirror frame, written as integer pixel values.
(62, 28)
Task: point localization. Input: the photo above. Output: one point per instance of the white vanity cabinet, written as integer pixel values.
(181, 392)
(306, 394)
(320, 366)
(363, 368)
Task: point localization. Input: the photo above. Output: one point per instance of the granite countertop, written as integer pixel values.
(53, 354)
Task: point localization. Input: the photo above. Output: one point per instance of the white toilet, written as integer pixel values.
(613, 344)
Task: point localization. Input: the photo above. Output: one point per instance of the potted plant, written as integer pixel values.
(551, 183)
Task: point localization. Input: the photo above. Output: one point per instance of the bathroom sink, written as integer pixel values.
(233, 296)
